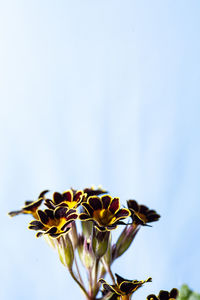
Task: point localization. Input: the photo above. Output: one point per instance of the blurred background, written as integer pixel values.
(101, 92)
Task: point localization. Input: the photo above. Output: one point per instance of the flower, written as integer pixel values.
(104, 212)
(85, 252)
(54, 222)
(141, 214)
(94, 192)
(30, 207)
(69, 198)
(164, 295)
(123, 288)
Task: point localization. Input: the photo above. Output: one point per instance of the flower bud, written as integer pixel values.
(124, 241)
(108, 255)
(85, 252)
(100, 242)
(73, 235)
(87, 228)
(65, 251)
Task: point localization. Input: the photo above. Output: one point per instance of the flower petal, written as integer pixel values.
(129, 287)
(60, 212)
(133, 205)
(32, 206)
(49, 213)
(95, 202)
(35, 225)
(70, 212)
(114, 206)
(39, 233)
(15, 213)
(143, 209)
(57, 198)
(108, 287)
(68, 196)
(122, 213)
(106, 201)
(42, 194)
(49, 203)
(77, 196)
(43, 217)
(173, 293)
(88, 208)
(163, 295)
(51, 230)
(84, 217)
(119, 279)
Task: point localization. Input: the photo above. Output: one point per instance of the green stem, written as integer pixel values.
(90, 282)
(111, 274)
(107, 267)
(95, 290)
(78, 271)
(80, 285)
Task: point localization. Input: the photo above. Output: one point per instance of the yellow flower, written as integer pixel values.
(54, 222)
(141, 214)
(69, 198)
(104, 212)
(124, 287)
(30, 207)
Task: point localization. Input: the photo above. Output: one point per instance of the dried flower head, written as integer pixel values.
(104, 212)
(54, 223)
(141, 214)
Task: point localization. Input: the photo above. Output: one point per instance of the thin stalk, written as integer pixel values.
(107, 267)
(80, 285)
(96, 266)
(90, 282)
(111, 274)
(78, 271)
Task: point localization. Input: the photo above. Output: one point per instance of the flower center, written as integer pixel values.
(104, 217)
(57, 223)
(71, 204)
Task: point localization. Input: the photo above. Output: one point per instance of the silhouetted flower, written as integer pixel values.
(104, 211)
(123, 288)
(141, 214)
(54, 222)
(30, 207)
(164, 295)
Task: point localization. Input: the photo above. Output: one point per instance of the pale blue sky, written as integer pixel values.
(101, 92)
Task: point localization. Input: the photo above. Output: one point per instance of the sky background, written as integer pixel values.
(101, 92)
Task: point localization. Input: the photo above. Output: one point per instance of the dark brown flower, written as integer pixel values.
(123, 287)
(54, 222)
(104, 212)
(69, 198)
(94, 192)
(30, 207)
(141, 214)
(164, 295)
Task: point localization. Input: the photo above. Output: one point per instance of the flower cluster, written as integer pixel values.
(99, 214)
(164, 295)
